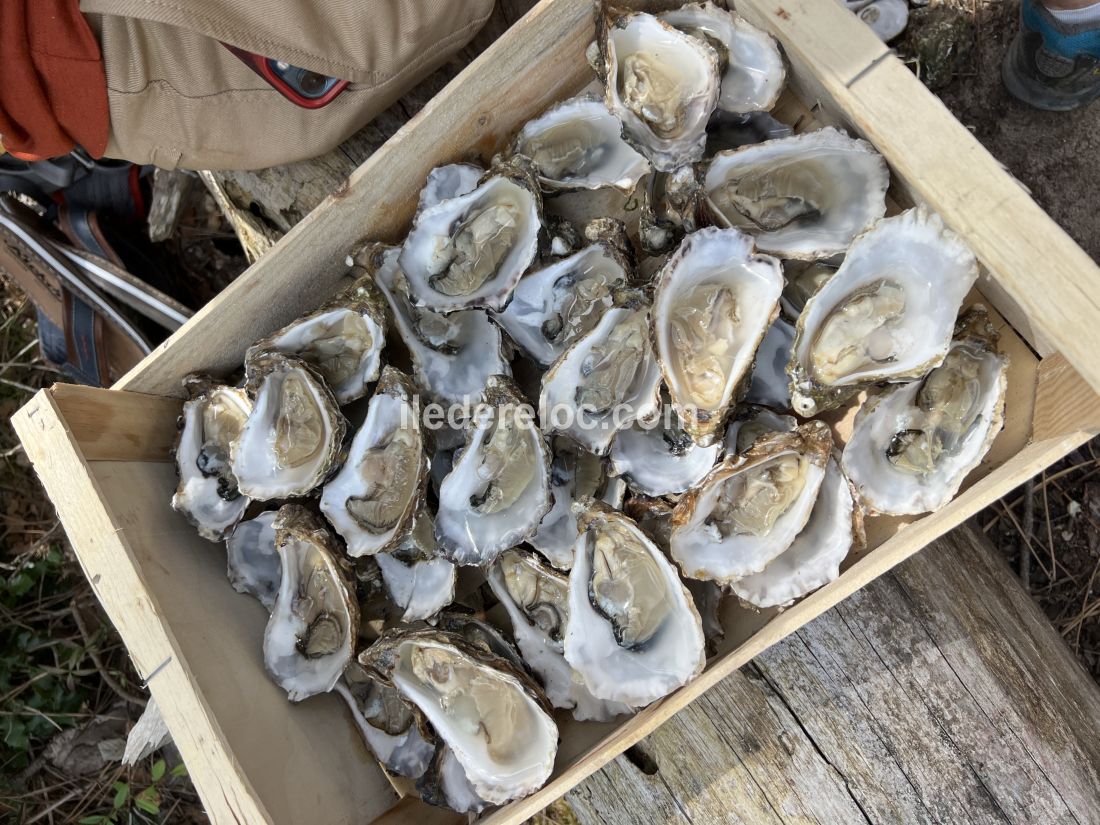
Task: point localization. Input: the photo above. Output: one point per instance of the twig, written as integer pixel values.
(1025, 535)
(47, 811)
(108, 679)
(1050, 531)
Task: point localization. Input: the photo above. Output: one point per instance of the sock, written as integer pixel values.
(1076, 17)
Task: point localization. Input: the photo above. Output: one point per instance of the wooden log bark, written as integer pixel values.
(938, 693)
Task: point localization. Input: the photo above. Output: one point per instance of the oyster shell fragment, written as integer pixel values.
(913, 445)
(714, 301)
(660, 83)
(374, 497)
(886, 315)
(208, 493)
(489, 714)
(750, 508)
(578, 145)
(802, 197)
(310, 636)
(252, 561)
(293, 438)
(419, 581)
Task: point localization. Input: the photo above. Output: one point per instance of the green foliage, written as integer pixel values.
(128, 806)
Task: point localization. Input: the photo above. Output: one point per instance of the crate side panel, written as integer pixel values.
(307, 760)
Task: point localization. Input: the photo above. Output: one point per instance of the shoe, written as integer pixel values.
(1052, 65)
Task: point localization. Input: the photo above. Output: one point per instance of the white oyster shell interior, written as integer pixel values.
(253, 563)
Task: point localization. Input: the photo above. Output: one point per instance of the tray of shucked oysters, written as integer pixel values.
(508, 473)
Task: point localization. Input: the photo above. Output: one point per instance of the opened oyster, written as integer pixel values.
(392, 728)
(672, 206)
(605, 381)
(575, 475)
(314, 622)
(469, 251)
(578, 145)
(752, 68)
(564, 300)
(491, 715)
(814, 557)
(293, 438)
(208, 493)
(750, 508)
(499, 487)
(751, 423)
(342, 340)
(536, 598)
(633, 633)
(660, 83)
(446, 785)
(662, 459)
(374, 497)
(452, 355)
(769, 384)
(419, 581)
(886, 315)
(449, 181)
(713, 303)
(253, 563)
(801, 197)
(913, 445)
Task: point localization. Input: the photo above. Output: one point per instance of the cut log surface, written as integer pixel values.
(938, 693)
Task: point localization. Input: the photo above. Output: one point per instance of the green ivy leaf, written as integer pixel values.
(179, 771)
(147, 801)
(122, 793)
(158, 770)
(94, 820)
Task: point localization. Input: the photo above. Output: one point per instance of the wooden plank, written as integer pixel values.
(118, 426)
(939, 693)
(197, 643)
(1052, 283)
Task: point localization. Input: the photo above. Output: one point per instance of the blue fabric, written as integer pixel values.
(1070, 41)
(81, 325)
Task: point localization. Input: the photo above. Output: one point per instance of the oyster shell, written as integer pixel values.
(342, 340)
(913, 445)
(605, 380)
(750, 508)
(452, 355)
(499, 487)
(419, 581)
(769, 384)
(752, 68)
(536, 598)
(492, 716)
(374, 497)
(886, 315)
(208, 493)
(553, 306)
(446, 785)
(751, 423)
(575, 474)
(660, 83)
(310, 636)
(470, 251)
(801, 197)
(252, 561)
(393, 729)
(814, 557)
(449, 181)
(713, 303)
(293, 438)
(578, 145)
(662, 459)
(672, 205)
(633, 633)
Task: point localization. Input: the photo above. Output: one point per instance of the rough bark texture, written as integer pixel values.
(939, 693)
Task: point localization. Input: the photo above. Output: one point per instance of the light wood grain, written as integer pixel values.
(115, 426)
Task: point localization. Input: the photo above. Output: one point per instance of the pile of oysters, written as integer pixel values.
(473, 489)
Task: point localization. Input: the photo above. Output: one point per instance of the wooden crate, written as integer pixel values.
(103, 455)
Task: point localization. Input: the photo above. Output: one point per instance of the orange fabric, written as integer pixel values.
(53, 90)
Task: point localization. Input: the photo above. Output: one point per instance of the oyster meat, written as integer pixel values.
(491, 715)
(310, 636)
(499, 488)
(752, 68)
(802, 197)
(714, 301)
(342, 340)
(252, 561)
(374, 497)
(914, 444)
(886, 315)
(578, 145)
(208, 493)
(750, 508)
(293, 438)
(633, 633)
(660, 83)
